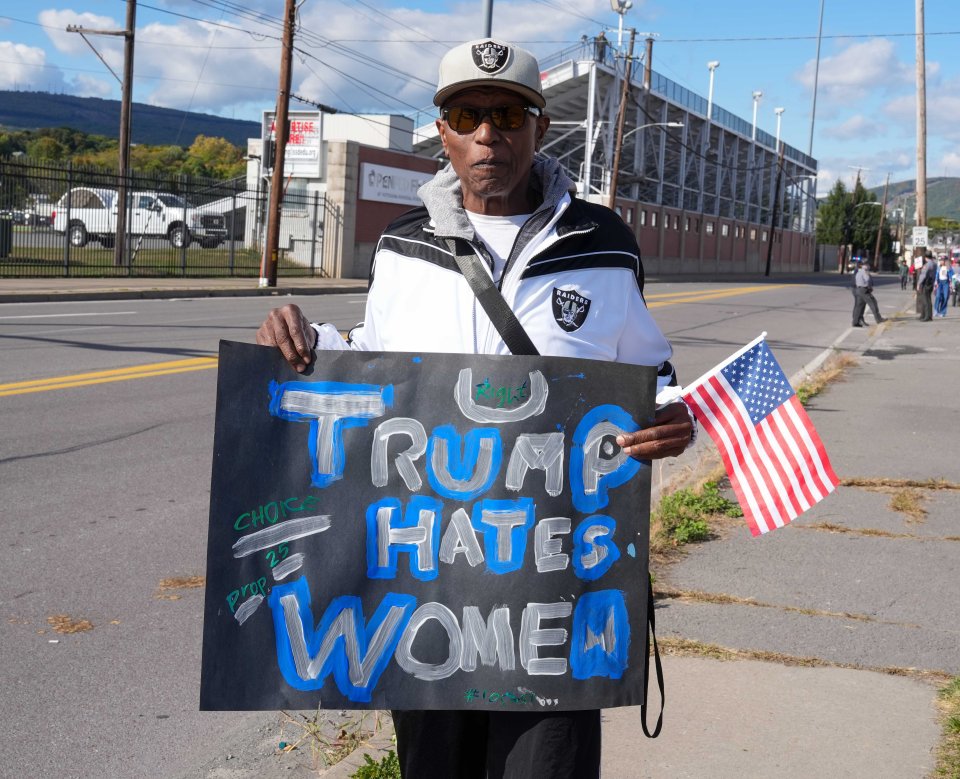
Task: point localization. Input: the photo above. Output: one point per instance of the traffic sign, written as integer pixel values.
(921, 236)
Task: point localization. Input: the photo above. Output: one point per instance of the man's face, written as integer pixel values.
(493, 165)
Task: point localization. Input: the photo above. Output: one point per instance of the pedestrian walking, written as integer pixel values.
(955, 281)
(863, 295)
(904, 273)
(570, 271)
(926, 279)
(942, 290)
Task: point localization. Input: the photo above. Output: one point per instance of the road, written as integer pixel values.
(104, 470)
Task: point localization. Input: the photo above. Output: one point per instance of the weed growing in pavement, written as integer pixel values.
(832, 370)
(386, 768)
(910, 502)
(682, 516)
(948, 753)
(329, 740)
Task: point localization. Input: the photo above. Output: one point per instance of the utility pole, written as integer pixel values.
(648, 65)
(268, 265)
(776, 208)
(119, 245)
(621, 118)
(883, 213)
(487, 18)
(921, 119)
(126, 93)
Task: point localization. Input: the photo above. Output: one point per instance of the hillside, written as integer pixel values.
(152, 125)
(943, 196)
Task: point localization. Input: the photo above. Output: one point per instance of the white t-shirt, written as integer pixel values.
(498, 234)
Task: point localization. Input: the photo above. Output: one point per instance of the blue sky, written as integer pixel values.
(222, 57)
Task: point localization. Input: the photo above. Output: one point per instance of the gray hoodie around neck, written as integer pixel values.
(443, 198)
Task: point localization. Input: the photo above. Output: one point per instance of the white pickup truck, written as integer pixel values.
(87, 214)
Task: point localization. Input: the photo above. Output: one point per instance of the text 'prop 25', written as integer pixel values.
(426, 532)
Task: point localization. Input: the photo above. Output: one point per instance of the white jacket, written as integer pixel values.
(574, 280)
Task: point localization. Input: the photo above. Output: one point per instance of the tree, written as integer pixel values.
(214, 158)
(832, 214)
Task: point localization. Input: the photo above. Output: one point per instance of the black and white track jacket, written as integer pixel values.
(573, 278)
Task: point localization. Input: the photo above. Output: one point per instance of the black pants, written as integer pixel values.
(862, 299)
(925, 295)
(508, 745)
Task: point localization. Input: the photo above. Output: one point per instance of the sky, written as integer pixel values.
(381, 56)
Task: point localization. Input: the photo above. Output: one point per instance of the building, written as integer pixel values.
(698, 190)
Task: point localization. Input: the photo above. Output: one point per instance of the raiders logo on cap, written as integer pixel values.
(490, 57)
(570, 308)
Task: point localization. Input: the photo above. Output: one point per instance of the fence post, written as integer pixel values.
(313, 241)
(231, 234)
(66, 231)
(186, 227)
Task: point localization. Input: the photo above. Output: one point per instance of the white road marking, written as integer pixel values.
(59, 316)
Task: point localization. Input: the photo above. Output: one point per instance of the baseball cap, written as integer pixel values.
(489, 62)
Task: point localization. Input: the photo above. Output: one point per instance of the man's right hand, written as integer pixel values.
(289, 330)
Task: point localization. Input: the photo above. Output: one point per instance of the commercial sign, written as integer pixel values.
(303, 156)
(391, 185)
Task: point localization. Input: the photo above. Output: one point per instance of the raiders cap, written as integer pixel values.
(489, 62)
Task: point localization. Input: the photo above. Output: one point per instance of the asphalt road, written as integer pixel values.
(105, 484)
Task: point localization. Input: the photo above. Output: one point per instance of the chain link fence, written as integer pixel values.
(62, 220)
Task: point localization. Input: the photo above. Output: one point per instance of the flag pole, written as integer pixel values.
(690, 387)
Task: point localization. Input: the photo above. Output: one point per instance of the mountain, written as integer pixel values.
(943, 196)
(151, 124)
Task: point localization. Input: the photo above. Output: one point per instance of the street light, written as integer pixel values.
(620, 7)
(756, 101)
(779, 113)
(711, 66)
(652, 124)
(614, 173)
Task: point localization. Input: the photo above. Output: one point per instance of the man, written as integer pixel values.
(904, 272)
(571, 273)
(926, 279)
(863, 295)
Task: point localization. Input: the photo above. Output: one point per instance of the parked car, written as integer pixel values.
(92, 216)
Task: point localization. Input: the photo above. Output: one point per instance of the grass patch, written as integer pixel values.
(386, 768)
(923, 484)
(684, 647)
(682, 517)
(909, 501)
(948, 753)
(64, 624)
(329, 740)
(833, 370)
(723, 599)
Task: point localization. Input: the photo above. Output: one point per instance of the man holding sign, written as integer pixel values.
(571, 274)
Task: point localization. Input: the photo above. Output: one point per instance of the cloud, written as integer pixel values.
(853, 73)
(89, 86)
(72, 43)
(25, 68)
(858, 126)
(348, 56)
(948, 164)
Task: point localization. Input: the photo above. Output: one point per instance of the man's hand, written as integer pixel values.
(289, 330)
(668, 436)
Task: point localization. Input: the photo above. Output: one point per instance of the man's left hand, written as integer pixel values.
(668, 436)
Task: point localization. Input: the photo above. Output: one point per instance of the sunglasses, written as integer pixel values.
(464, 119)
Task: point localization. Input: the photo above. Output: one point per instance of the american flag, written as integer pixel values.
(775, 460)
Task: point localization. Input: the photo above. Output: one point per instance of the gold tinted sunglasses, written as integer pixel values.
(465, 119)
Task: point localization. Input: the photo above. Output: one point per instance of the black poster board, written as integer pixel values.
(426, 531)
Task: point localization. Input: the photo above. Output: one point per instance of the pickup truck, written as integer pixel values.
(92, 215)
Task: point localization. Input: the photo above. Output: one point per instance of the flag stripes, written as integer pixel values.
(778, 468)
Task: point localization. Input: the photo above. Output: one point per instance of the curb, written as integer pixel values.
(170, 294)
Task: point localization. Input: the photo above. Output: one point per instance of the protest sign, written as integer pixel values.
(426, 531)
